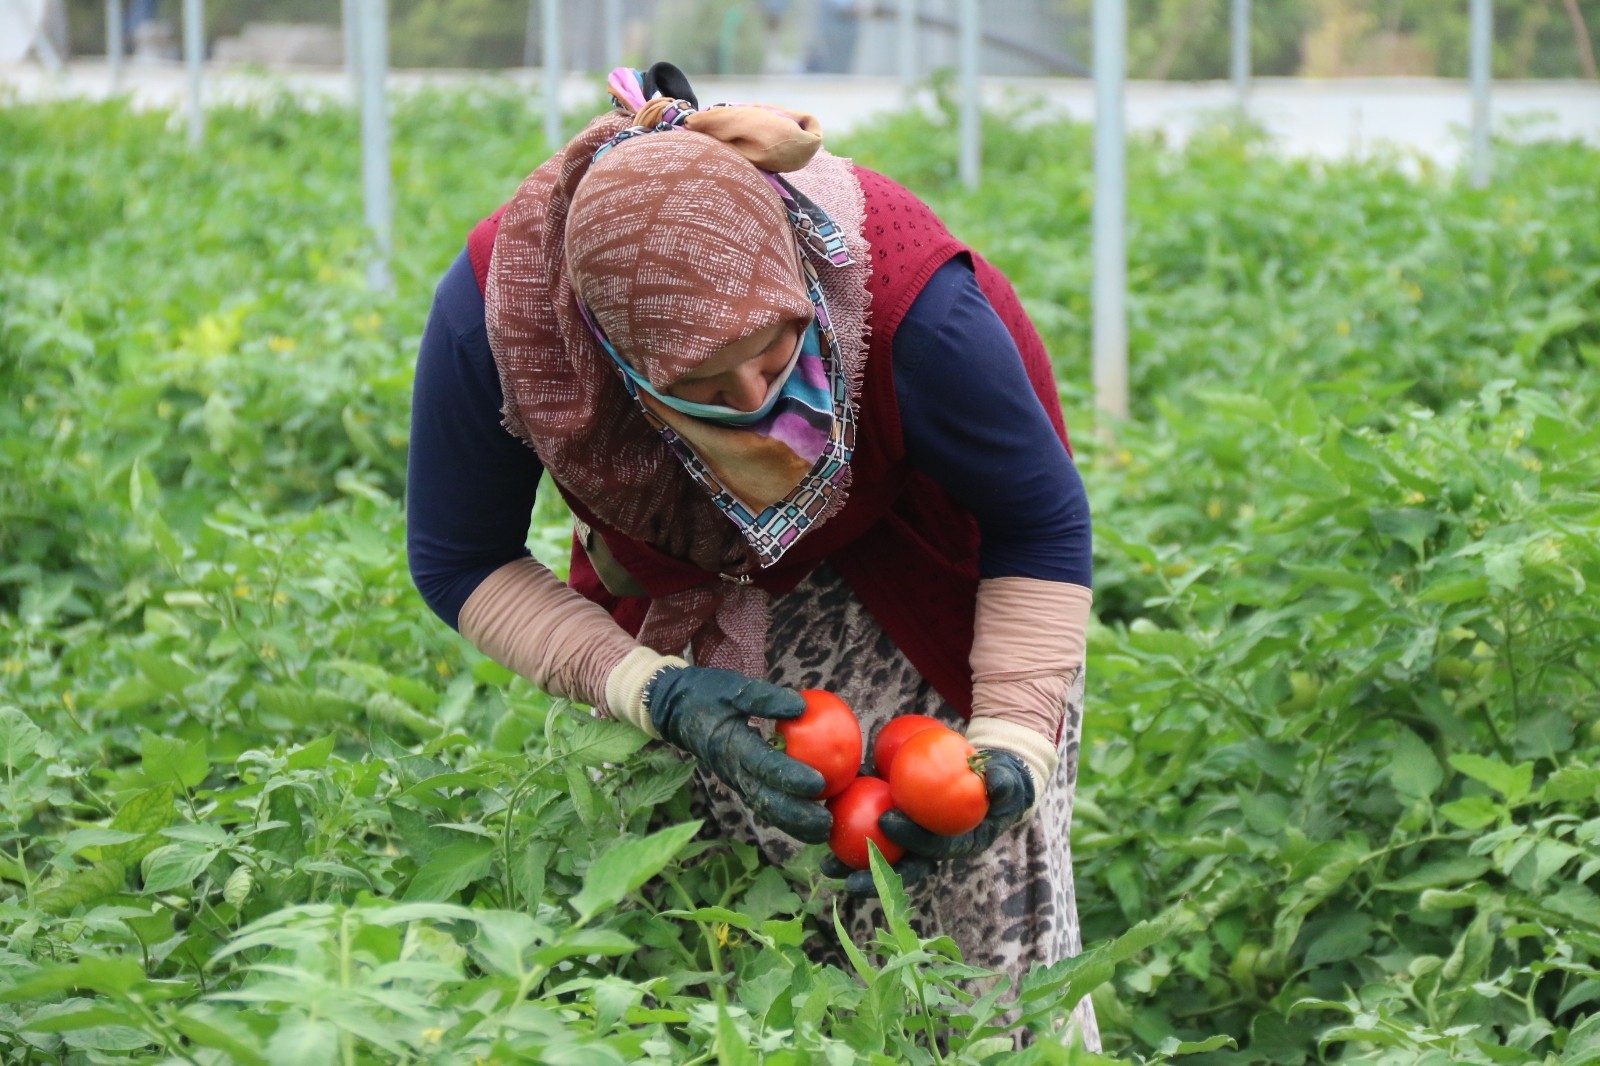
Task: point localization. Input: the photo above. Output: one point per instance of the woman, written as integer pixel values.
(810, 441)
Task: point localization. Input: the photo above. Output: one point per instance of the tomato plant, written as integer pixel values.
(827, 738)
(938, 783)
(893, 734)
(855, 821)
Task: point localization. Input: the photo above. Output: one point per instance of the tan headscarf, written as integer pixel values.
(678, 245)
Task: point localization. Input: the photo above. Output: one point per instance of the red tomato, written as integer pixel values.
(855, 821)
(826, 738)
(894, 734)
(937, 783)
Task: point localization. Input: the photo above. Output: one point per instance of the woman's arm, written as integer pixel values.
(470, 485)
(470, 490)
(972, 422)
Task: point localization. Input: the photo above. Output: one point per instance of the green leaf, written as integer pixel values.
(503, 937)
(1411, 526)
(19, 737)
(576, 943)
(730, 1045)
(175, 866)
(304, 1042)
(1471, 812)
(170, 675)
(172, 760)
(1577, 902)
(1456, 870)
(1173, 1046)
(864, 969)
(582, 792)
(1572, 784)
(1512, 782)
(81, 887)
(1346, 937)
(110, 976)
(628, 864)
(452, 868)
(210, 1026)
(892, 898)
(1470, 959)
(312, 756)
(1413, 769)
(1458, 589)
(593, 741)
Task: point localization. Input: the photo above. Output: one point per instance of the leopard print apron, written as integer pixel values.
(1009, 908)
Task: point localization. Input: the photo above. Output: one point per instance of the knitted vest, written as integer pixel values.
(905, 547)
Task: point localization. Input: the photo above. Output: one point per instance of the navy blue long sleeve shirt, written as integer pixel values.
(969, 418)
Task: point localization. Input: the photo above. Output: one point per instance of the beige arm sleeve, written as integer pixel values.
(526, 619)
(1027, 648)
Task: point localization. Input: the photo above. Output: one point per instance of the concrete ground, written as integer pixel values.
(1427, 117)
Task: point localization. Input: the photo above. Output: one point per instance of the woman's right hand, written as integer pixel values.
(706, 712)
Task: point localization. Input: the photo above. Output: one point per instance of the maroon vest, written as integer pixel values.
(906, 548)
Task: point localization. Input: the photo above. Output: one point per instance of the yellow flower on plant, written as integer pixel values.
(69, 701)
(281, 344)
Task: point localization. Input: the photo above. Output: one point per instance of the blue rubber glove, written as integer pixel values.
(706, 712)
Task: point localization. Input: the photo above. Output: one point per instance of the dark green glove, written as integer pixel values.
(706, 712)
(911, 868)
(1010, 789)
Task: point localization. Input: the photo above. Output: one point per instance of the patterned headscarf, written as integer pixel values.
(678, 244)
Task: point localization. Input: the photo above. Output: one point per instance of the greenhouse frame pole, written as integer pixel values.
(372, 29)
(552, 73)
(1110, 286)
(613, 36)
(194, 29)
(906, 27)
(350, 26)
(971, 167)
(1482, 52)
(116, 48)
(1239, 67)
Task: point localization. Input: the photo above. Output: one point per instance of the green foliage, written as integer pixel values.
(1344, 694)
(1340, 778)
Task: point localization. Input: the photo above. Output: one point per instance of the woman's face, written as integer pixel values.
(740, 374)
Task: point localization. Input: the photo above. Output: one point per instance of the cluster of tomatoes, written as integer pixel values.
(923, 767)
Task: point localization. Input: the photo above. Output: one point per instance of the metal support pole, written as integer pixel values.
(116, 47)
(971, 101)
(1481, 54)
(1239, 67)
(613, 36)
(906, 27)
(552, 74)
(194, 45)
(350, 27)
(372, 28)
(1110, 293)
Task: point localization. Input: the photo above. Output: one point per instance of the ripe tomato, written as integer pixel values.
(855, 821)
(894, 734)
(937, 783)
(826, 738)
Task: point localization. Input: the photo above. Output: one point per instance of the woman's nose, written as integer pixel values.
(749, 390)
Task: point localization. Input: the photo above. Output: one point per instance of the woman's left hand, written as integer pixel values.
(1011, 792)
